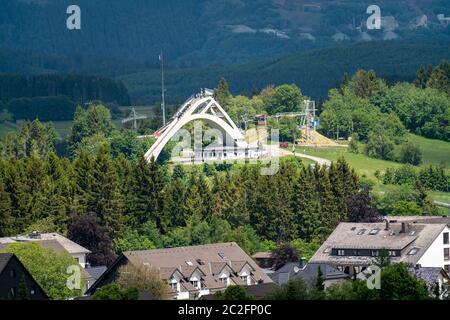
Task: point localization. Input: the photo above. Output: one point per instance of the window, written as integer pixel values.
(222, 255)
(447, 268)
(244, 278)
(392, 253)
(12, 273)
(446, 254)
(195, 283)
(446, 240)
(374, 231)
(173, 286)
(200, 262)
(375, 253)
(413, 252)
(361, 232)
(223, 280)
(341, 252)
(13, 292)
(189, 263)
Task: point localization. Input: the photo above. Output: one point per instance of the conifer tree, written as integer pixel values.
(222, 92)
(104, 196)
(6, 219)
(149, 201)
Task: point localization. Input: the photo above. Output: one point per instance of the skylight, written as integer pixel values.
(374, 231)
(361, 232)
(222, 255)
(189, 263)
(413, 251)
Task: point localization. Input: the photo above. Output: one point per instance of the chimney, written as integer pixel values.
(403, 227)
(387, 224)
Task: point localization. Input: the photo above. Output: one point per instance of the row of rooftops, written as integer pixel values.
(209, 261)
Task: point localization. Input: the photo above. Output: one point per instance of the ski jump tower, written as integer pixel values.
(204, 107)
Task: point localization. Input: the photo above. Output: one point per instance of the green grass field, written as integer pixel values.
(433, 151)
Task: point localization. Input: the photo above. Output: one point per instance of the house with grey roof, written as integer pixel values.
(433, 276)
(52, 241)
(308, 273)
(192, 272)
(352, 247)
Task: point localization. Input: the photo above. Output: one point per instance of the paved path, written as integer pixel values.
(285, 152)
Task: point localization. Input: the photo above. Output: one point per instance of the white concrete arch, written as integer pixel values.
(199, 107)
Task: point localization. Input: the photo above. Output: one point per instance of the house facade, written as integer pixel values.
(352, 247)
(78, 252)
(16, 282)
(193, 272)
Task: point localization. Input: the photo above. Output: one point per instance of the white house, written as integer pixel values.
(352, 247)
(75, 250)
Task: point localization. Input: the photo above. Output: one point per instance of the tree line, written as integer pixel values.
(54, 97)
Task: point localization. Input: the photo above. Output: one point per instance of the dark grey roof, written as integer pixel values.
(429, 274)
(260, 290)
(96, 272)
(294, 270)
(4, 259)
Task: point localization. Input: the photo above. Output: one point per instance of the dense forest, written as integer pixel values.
(315, 71)
(103, 186)
(205, 33)
(54, 97)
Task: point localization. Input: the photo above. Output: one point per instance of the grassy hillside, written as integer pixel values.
(434, 152)
(315, 71)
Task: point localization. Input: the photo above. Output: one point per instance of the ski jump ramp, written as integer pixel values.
(204, 107)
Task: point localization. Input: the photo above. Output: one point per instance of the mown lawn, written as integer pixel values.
(433, 152)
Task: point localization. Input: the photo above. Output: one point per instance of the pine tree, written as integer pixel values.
(222, 93)
(104, 198)
(175, 203)
(305, 205)
(6, 219)
(149, 202)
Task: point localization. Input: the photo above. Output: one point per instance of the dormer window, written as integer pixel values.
(174, 286)
(244, 278)
(195, 283)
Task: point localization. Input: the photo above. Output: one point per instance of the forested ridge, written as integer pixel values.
(52, 97)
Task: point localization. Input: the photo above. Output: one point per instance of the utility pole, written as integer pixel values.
(163, 104)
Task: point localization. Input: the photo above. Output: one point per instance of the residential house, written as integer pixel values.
(192, 272)
(308, 273)
(14, 277)
(352, 247)
(75, 250)
(433, 277)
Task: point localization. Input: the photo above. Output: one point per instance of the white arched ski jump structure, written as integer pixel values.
(204, 107)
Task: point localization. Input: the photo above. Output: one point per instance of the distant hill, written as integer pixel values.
(315, 71)
(204, 32)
